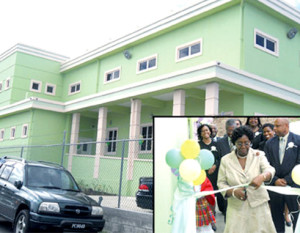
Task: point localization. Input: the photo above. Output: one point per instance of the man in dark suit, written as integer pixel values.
(283, 153)
(224, 147)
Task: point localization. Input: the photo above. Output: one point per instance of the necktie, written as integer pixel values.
(281, 149)
(230, 144)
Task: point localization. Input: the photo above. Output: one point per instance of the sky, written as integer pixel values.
(74, 27)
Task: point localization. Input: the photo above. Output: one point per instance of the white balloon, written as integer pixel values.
(189, 169)
(296, 174)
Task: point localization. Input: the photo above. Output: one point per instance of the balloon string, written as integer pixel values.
(296, 211)
(171, 216)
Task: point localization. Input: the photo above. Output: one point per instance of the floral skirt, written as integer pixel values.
(204, 215)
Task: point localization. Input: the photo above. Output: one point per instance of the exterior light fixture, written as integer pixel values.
(127, 55)
(292, 33)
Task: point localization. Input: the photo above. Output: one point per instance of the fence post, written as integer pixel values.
(63, 149)
(22, 149)
(121, 174)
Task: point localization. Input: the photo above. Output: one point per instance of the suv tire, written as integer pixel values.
(22, 222)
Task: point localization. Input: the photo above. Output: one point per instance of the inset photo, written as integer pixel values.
(226, 174)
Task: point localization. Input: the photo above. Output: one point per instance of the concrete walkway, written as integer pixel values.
(127, 203)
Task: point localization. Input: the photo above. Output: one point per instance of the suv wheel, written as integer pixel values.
(22, 222)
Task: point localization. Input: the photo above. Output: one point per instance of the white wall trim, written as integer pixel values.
(38, 82)
(22, 133)
(146, 59)
(7, 80)
(171, 20)
(178, 17)
(283, 8)
(12, 129)
(219, 71)
(111, 71)
(177, 59)
(107, 135)
(54, 89)
(2, 138)
(74, 84)
(267, 36)
(33, 51)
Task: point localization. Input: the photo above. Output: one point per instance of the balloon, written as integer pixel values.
(296, 174)
(189, 170)
(206, 159)
(175, 171)
(201, 178)
(190, 149)
(174, 158)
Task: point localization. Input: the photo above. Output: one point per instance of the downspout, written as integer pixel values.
(98, 77)
(242, 48)
(30, 132)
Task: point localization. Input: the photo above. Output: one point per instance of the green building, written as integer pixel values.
(224, 57)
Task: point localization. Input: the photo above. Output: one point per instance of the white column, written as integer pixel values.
(101, 135)
(74, 138)
(134, 133)
(212, 99)
(179, 103)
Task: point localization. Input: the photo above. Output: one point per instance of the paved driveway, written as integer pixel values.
(127, 203)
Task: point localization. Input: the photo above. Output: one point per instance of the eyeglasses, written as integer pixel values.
(239, 144)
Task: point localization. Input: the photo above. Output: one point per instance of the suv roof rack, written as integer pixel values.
(15, 158)
(46, 162)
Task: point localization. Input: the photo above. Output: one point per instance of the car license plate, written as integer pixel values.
(78, 226)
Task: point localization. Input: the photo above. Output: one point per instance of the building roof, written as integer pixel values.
(201, 7)
(33, 51)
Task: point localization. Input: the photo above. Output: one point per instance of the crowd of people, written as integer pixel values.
(256, 154)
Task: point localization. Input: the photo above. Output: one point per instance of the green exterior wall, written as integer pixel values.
(109, 175)
(285, 68)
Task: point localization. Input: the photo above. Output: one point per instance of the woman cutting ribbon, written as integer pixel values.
(248, 210)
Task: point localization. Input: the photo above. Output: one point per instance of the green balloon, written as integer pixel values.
(174, 158)
(206, 159)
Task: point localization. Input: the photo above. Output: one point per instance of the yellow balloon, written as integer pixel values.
(190, 149)
(201, 178)
(189, 169)
(296, 174)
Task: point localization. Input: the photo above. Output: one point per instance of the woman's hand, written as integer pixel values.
(239, 193)
(212, 169)
(257, 181)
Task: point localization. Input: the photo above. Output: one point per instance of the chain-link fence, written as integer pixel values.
(111, 169)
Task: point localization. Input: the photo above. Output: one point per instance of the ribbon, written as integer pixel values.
(184, 208)
(185, 200)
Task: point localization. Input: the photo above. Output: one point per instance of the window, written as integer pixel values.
(74, 88)
(25, 131)
(6, 172)
(84, 148)
(1, 134)
(189, 50)
(146, 64)
(112, 75)
(266, 43)
(50, 89)
(146, 134)
(35, 86)
(16, 174)
(111, 143)
(12, 132)
(7, 83)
